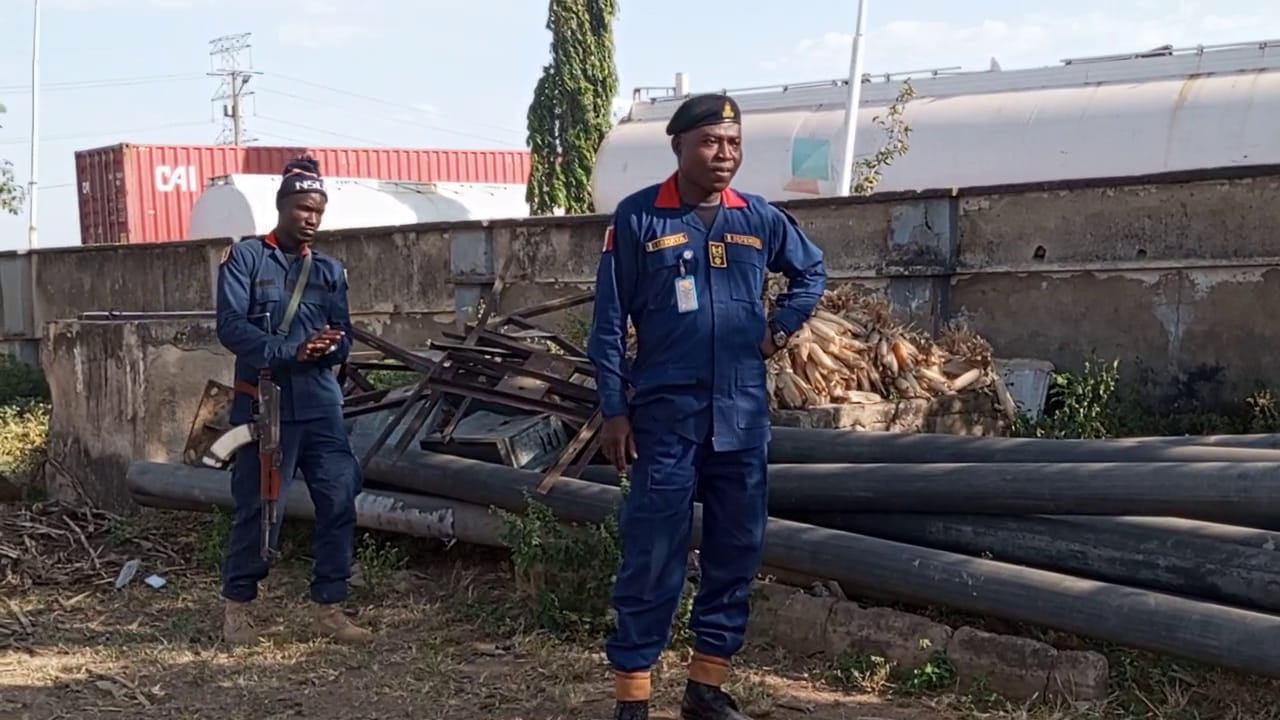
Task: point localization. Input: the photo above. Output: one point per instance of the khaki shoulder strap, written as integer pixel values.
(296, 298)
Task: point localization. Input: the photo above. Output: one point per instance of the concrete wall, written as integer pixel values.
(1177, 271)
(123, 391)
(1169, 269)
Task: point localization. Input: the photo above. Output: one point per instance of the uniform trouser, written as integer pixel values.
(322, 451)
(655, 528)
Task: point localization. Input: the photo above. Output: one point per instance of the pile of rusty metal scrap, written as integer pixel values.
(505, 391)
(1167, 545)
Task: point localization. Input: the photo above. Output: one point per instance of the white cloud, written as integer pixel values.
(1024, 41)
(321, 36)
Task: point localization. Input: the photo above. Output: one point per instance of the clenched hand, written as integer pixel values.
(617, 443)
(767, 348)
(319, 343)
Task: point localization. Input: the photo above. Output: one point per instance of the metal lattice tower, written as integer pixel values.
(231, 60)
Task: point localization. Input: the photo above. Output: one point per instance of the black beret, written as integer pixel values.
(702, 110)
(301, 175)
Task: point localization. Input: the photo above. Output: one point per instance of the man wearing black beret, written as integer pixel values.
(686, 261)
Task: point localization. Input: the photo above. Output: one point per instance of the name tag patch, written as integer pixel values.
(748, 240)
(668, 241)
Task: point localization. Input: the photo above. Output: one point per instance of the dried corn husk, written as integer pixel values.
(854, 350)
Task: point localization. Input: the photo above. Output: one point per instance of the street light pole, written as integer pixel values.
(844, 174)
(32, 198)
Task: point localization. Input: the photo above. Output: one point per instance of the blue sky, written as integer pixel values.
(459, 73)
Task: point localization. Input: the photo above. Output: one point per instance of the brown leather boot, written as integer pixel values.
(331, 622)
(237, 623)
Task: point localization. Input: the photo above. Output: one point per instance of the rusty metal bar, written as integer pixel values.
(516, 401)
(363, 398)
(558, 385)
(492, 298)
(392, 350)
(588, 435)
(387, 366)
(356, 375)
(482, 366)
(559, 340)
(551, 306)
(581, 366)
(446, 346)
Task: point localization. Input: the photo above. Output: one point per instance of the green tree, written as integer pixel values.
(11, 195)
(572, 103)
(867, 171)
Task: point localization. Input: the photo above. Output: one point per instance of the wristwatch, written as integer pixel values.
(780, 336)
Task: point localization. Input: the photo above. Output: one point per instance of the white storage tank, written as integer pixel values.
(239, 206)
(1157, 111)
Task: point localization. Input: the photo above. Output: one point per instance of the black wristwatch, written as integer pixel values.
(780, 336)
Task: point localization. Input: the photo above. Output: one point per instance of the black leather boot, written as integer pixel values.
(631, 710)
(704, 702)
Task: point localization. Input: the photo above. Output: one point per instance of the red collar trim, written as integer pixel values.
(270, 240)
(669, 197)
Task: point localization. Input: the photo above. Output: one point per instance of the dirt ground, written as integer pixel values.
(449, 644)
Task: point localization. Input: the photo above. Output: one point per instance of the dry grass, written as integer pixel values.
(451, 644)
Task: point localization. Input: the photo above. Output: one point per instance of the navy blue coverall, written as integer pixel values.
(255, 281)
(699, 410)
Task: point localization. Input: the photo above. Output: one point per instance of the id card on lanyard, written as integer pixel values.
(686, 287)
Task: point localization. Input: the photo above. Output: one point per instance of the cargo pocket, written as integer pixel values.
(751, 399)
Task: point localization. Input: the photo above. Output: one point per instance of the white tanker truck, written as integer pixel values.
(1156, 111)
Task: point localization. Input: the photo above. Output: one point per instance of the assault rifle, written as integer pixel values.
(267, 430)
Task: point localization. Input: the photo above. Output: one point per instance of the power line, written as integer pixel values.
(82, 136)
(95, 84)
(228, 51)
(300, 126)
(285, 138)
(382, 101)
(404, 121)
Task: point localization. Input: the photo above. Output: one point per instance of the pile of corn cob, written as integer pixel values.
(853, 350)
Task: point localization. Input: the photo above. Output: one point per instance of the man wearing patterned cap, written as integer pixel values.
(685, 261)
(283, 312)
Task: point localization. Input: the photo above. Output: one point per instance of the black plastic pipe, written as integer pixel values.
(1229, 637)
(1246, 536)
(186, 487)
(1152, 558)
(795, 445)
(1254, 441)
(1236, 493)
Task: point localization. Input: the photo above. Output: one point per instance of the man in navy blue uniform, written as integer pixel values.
(686, 261)
(282, 307)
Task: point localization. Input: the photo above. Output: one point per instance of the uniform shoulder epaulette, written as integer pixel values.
(786, 214)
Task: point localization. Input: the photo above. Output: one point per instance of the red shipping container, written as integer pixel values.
(144, 193)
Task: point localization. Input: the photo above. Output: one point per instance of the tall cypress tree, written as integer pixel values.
(572, 105)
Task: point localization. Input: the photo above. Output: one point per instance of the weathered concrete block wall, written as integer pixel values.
(1171, 270)
(1178, 275)
(164, 277)
(123, 391)
(400, 282)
